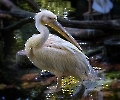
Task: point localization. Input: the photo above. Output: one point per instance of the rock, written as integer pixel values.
(22, 59)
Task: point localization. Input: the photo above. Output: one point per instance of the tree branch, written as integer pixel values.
(102, 25)
(9, 4)
(16, 11)
(16, 25)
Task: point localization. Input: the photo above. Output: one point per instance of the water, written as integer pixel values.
(23, 81)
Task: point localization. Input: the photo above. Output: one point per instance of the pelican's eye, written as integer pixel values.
(50, 18)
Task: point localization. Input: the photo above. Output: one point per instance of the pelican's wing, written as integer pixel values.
(65, 51)
(58, 43)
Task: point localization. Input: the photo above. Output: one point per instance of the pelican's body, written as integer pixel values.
(102, 6)
(59, 57)
(54, 54)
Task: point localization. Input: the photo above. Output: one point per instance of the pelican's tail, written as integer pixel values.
(85, 71)
(93, 74)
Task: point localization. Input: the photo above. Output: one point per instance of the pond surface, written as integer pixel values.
(21, 80)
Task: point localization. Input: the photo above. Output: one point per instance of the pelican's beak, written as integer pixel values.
(58, 27)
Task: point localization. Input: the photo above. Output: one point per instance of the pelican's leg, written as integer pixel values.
(89, 6)
(59, 83)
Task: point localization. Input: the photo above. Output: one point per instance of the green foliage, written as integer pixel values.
(113, 75)
(25, 6)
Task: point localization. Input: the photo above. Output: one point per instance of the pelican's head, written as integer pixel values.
(46, 17)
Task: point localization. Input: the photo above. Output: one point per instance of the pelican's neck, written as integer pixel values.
(44, 33)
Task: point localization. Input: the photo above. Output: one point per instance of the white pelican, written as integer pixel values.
(51, 53)
(101, 6)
